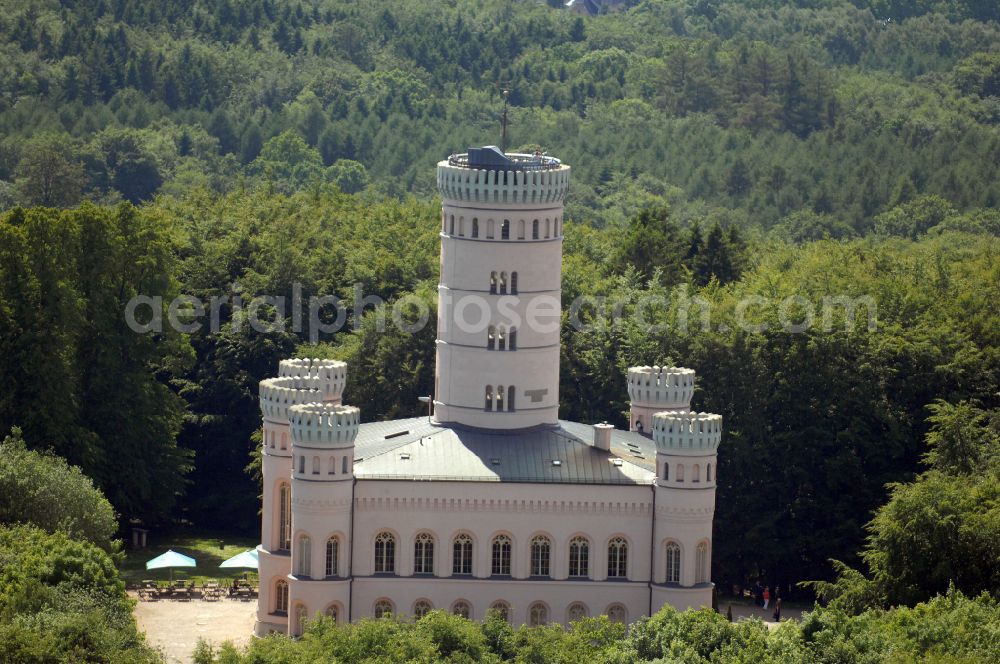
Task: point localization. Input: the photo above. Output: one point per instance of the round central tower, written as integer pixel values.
(499, 297)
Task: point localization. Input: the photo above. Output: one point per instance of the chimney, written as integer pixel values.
(602, 436)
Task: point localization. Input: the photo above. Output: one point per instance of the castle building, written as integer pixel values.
(491, 502)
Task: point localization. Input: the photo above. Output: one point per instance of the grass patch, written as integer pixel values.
(204, 549)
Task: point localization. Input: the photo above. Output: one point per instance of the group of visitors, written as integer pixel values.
(762, 598)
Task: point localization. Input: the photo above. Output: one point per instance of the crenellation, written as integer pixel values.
(331, 374)
(687, 432)
(277, 395)
(664, 387)
(324, 424)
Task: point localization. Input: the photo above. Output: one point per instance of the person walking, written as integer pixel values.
(767, 596)
(777, 609)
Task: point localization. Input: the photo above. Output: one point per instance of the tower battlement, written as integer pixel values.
(278, 394)
(514, 183)
(324, 424)
(661, 387)
(687, 432)
(332, 374)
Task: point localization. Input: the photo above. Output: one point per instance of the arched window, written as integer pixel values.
(556, 228)
(284, 517)
(499, 397)
(345, 465)
(383, 608)
(333, 612)
(493, 283)
(491, 338)
(673, 562)
(475, 227)
(500, 562)
(520, 229)
(666, 467)
(579, 557)
(489, 229)
(284, 441)
(502, 608)
(618, 558)
(512, 344)
(421, 608)
(538, 615)
(489, 397)
(423, 554)
(451, 224)
(304, 557)
(385, 553)
(708, 472)
(541, 550)
(701, 563)
(548, 228)
(616, 613)
(461, 227)
(534, 229)
(281, 596)
(510, 399)
(576, 611)
(680, 472)
(331, 467)
(332, 553)
(302, 464)
(461, 562)
(513, 283)
(503, 283)
(462, 608)
(505, 229)
(301, 614)
(315, 465)
(696, 473)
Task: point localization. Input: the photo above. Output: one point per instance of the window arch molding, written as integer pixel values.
(541, 550)
(580, 554)
(502, 607)
(421, 608)
(576, 611)
(424, 552)
(383, 607)
(462, 607)
(615, 546)
(283, 530)
(334, 610)
(459, 566)
(495, 550)
(702, 569)
(673, 561)
(385, 561)
(280, 602)
(539, 614)
(303, 554)
(617, 612)
(338, 538)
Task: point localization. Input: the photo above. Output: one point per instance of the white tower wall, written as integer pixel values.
(495, 225)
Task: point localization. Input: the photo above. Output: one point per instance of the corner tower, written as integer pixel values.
(655, 389)
(499, 296)
(686, 445)
(299, 381)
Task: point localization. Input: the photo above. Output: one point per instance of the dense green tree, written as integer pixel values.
(48, 173)
(45, 491)
(61, 600)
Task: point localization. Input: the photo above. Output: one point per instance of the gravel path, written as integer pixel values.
(174, 627)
